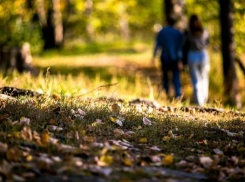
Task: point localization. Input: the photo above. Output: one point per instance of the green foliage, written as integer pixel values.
(209, 11)
(109, 20)
(16, 25)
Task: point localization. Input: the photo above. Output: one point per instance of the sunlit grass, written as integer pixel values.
(81, 75)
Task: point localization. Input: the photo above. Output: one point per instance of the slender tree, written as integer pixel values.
(51, 21)
(231, 90)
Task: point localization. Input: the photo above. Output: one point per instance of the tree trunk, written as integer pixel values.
(89, 27)
(57, 23)
(231, 90)
(175, 9)
(18, 58)
(51, 22)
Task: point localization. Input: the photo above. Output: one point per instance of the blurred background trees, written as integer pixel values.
(51, 23)
(48, 24)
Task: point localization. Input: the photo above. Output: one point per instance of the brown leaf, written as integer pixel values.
(115, 108)
(13, 154)
(3, 147)
(118, 132)
(26, 133)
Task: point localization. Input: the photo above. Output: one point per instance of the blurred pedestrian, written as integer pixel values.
(197, 39)
(169, 40)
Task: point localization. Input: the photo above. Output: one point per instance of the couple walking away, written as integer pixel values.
(194, 40)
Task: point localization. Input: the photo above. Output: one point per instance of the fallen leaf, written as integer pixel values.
(88, 138)
(29, 158)
(81, 112)
(155, 159)
(13, 154)
(118, 132)
(127, 162)
(146, 121)
(155, 148)
(24, 120)
(77, 135)
(191, 136)
(26, 133)
(97, 122)
(105, 160)
(115, 108)
(3, 147)
(118, 122)
(206, 162)
(54, 128)
(143, 140)
(218, 152)
(166, 138)
(114, 119)
(203, 142)
(45, 137)
(240, 134)
(168, 160)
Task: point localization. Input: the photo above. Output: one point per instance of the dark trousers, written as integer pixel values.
(173, 68)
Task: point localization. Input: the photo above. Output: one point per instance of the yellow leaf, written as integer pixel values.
(127, 162)
(166, 138)
(143, 140)
(52, 122)
(179, 137)
(104, 151)
(105, 160)
(240, 134)
(44, 137)
(13, 154)
(29, 158)
(170, 133)
(16, 134)
(113, 119)
(83, 132)
(168, 160)
(242, 149)
(88, 138)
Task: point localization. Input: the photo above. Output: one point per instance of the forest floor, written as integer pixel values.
(78, 129)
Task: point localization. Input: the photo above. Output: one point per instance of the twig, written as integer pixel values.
(98, 88)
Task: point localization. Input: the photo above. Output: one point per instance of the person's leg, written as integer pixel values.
(204, 72)
(195, 78)
(176, 81)
(165, 82)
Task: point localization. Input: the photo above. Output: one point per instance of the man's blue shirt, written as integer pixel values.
(169, 40)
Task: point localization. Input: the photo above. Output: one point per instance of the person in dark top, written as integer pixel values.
(197, 39)
(169, 39)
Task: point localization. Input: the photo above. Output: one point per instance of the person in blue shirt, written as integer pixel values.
(169, 40)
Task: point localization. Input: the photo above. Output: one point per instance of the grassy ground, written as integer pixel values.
(80, 129)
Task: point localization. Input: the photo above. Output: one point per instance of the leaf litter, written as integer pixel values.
(110, 141)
